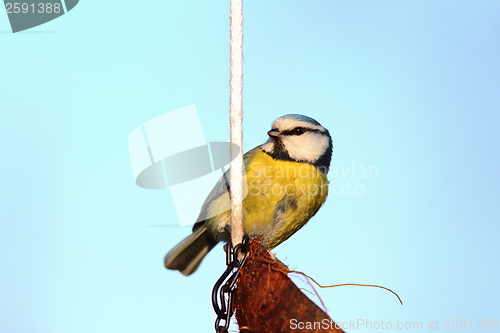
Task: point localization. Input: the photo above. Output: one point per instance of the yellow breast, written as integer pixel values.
(281, 197)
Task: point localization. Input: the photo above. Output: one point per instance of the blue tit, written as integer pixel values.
(286, 185)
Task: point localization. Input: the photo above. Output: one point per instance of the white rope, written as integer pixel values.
(236, 120)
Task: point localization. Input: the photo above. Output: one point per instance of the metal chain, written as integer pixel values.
(223, 294)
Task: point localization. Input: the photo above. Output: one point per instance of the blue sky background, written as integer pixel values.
(412, 88)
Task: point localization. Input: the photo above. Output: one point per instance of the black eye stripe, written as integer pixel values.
(299, 131)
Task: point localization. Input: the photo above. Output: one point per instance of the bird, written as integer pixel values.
(286, 183)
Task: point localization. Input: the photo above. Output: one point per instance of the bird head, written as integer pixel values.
(299, 138)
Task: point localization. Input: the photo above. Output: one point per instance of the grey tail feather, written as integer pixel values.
(188, 254)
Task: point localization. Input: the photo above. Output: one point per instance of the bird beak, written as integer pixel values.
(274, 133)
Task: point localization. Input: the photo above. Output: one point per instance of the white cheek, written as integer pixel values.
(306, 147)
(268, 146)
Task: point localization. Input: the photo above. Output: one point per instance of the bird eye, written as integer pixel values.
(299, 131)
